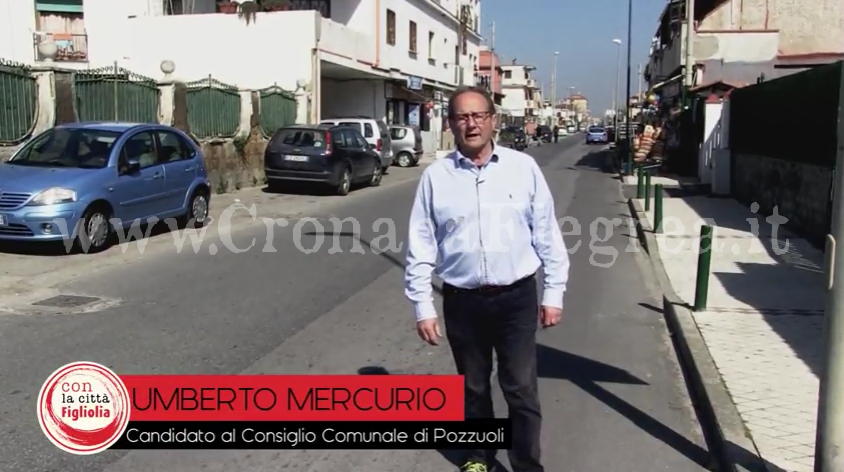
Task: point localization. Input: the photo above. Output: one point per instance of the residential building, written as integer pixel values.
(737, 41)
(491, 74)
(395, 60)
(521, 93)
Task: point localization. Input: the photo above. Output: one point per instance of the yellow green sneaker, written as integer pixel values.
(474, 466)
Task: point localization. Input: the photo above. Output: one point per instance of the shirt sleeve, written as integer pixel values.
(421, 253)
(548, 242)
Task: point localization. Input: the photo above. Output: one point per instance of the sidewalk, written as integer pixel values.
(763, 324)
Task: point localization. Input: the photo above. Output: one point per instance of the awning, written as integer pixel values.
(666, 82)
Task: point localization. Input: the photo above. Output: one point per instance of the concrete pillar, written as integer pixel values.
(245, 113)
(303, 102)
(45, 85)
(166, 87)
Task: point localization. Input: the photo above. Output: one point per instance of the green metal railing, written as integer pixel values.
(278, 108)
(115, 94)
(18, 102)
(213, 109)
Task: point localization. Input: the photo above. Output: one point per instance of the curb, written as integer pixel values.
(729, 442)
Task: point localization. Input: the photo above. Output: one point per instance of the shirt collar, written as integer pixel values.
(461, 160)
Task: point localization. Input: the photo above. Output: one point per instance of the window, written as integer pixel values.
(413, 37)
(355, 126)
(391, 27)
(398, 133)
(172, 148)
(465, 44)
(430, 45)
(141, 148)
(360, 141)
(508, 74)
(62, 147)
(338, 139)
(367, 129)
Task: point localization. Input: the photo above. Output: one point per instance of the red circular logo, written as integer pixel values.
(83, 408)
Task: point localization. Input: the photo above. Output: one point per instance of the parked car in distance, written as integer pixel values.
(374, 131)
(596, 134)
(514, 139)
(78, 181)
(324, 154)
(406, 144)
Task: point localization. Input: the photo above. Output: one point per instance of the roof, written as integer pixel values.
(716, 83)
(115, 126)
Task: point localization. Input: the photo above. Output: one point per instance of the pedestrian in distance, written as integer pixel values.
(556, 133)
(490, 294)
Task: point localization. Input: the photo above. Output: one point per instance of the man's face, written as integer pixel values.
(472, 122)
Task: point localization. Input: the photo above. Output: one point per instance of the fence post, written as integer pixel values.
(648, 191)
(116, 91)
(704, 263)
(640, 182)
(658, 208)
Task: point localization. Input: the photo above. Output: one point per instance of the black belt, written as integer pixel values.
(491, 289)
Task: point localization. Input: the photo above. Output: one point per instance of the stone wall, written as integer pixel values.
(801, 192)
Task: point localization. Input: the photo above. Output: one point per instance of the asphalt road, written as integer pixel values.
(612, 391)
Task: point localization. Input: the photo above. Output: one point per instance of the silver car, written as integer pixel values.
(407, 145)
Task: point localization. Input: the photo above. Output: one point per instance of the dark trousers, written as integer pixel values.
(504, 320)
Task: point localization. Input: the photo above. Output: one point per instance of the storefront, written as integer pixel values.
(416, 103)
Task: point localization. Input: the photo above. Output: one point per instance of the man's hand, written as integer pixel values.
(429, 331)
(550, 316)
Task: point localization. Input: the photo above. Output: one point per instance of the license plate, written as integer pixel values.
(296, 158)
(2, 220)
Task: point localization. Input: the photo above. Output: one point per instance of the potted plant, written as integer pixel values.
(227, 6)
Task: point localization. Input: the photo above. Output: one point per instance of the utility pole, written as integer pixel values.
(492, 40)
(688, 69)
(829, 439)
(640, 84)
(627, 132)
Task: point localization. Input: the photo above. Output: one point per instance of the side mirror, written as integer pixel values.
(133, 166)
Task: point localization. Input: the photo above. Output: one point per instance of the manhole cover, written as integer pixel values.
(66, 301)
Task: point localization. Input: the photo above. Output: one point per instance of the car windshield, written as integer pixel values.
(506, 136)
(299, 138)
(596, 130)
(68, 147)
(398, 133)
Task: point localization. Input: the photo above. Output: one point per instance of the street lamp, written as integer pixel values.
(554, 88)
(617, 80)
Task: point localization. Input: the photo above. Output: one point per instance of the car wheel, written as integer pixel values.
(404, 159)
(197, 215)
(94, 231)
(377, 174)
(345, 184)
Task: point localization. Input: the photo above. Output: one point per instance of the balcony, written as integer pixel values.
(531, 83)
(343, 41)
(70, 47)
(530, 104)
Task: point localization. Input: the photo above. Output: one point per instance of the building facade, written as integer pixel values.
(737, 41)
(491, 74)
(395, 60)
(521, 100)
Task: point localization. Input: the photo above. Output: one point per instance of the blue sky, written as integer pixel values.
(582, 31)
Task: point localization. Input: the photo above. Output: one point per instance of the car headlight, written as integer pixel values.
(53, 196)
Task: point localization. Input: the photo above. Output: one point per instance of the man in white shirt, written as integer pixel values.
(484, 220)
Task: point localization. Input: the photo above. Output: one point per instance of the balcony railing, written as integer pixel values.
(70, 47)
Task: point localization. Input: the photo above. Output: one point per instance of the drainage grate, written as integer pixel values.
(66, 301)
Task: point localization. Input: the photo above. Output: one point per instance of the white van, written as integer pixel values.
(374, 131)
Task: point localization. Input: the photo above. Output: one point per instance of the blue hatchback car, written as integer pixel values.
(77, 181)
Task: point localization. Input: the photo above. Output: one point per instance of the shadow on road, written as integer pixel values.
(586, 374)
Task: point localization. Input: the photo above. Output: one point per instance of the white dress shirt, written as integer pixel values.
(480, 226)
